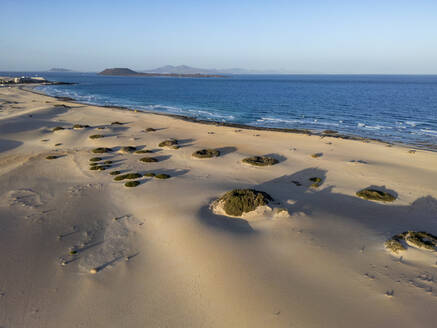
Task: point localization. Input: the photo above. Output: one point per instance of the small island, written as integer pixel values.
(129, 72)
(60, 70)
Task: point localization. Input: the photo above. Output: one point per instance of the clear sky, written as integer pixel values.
(384, 36)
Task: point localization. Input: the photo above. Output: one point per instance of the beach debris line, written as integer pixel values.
(206, 153)
(260, 160)
(375, 194)
(239, 201)
(419, 239)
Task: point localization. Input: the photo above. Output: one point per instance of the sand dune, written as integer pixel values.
(80, 249)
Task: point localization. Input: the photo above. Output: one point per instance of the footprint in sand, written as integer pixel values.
(24, 198)
(102, 246)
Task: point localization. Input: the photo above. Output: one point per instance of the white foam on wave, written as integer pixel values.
(294, 121)
(429, 132)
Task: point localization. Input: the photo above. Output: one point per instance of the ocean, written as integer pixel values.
(393, 108)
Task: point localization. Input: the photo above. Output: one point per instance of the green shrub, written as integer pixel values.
(117, 123)
(128, 149)
(80, 126)
(150, 129)
(58, 144)
(316, 155)
(374, 194)
(95, 159)
(239, 201)
(143, 151)
(317, 182)
(394, 245)
(206, 153)
(150, 174)
(260, 160)
(107, 162)
(58, 128)
(420, 239)
(132, 183)
(170, 143)
(101, 150)
(52, 157)
(114, 173)
(94, 164)
(149, 160)
(96, 136)
(162, 176)
(128, 176)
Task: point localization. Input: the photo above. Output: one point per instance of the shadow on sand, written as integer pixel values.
(294, 193)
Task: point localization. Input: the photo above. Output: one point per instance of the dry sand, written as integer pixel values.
(156, 256)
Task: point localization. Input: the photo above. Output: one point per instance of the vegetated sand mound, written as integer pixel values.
(375, 194)
(80, 126)
(130, 176)
(260, 160)
(101, 150)
(149, 159)
(239, 201)
(418, 239)
(316, 182)
(131, 184)
(206, 153)
(96, 136)
(162, 176)
(127, 149)
(169, 143)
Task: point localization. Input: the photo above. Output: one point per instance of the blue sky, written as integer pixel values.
(295, 36)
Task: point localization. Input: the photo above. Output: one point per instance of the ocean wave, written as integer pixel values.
(429, 132)
(295, 121)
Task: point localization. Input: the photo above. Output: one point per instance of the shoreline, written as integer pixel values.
(432, 148)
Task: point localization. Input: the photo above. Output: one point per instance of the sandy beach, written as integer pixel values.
(79, 249)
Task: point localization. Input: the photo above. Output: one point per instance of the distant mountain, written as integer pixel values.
(55, 69)
(184, 69)
(118, 71)
(129, 72)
